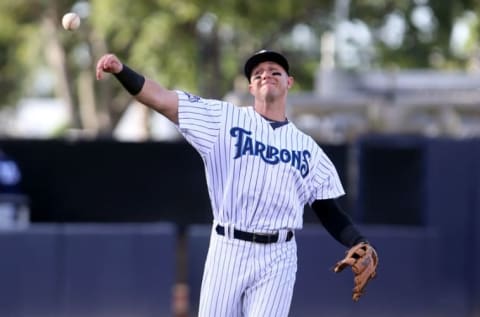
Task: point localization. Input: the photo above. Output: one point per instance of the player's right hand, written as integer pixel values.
(108, 63)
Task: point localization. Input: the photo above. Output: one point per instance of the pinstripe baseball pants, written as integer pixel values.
(247, 279)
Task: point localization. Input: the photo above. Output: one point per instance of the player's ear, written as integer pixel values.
(290, 82)
(250, 88)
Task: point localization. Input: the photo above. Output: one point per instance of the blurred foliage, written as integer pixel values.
(418, 48)
(196, 45)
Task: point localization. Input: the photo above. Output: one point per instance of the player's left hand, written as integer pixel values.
(363, 260)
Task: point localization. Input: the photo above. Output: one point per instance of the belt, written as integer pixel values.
(254, 237)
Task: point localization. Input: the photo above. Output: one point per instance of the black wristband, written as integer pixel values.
(131, 80)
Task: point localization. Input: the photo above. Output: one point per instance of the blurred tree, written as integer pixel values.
(196, 45)
(199, 45)
(31, 42)
(413, 34)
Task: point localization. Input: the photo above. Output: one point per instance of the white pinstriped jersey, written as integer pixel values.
(259, 178)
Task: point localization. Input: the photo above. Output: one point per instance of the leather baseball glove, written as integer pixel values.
(363, 260)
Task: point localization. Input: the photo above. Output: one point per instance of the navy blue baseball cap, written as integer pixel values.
(265, 56)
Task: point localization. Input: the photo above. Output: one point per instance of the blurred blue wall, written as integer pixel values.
(417, 199)
(87, 270)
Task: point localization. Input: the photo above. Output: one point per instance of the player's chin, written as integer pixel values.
(268, 92)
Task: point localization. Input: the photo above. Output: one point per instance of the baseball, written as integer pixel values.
(71, 21)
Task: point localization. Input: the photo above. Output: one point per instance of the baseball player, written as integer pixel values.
(261, 171)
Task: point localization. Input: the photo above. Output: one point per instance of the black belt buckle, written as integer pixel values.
(264, 238)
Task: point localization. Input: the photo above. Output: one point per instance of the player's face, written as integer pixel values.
(269, 80)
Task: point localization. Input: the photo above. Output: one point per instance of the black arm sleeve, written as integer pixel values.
(337, 222)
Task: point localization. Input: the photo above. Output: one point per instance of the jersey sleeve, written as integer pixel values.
(199, 120)
(325, 181)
